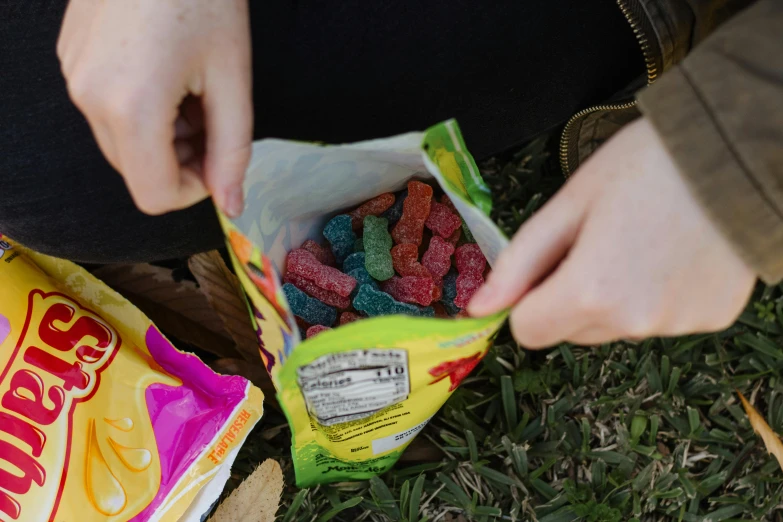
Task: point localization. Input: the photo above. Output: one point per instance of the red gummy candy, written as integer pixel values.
(462, 314)
(302, 263)
(470, 258)
(455, 237)
(415, 211)
(437, 258)
(322, 254)
(405, 259)
(315, 330)
(417, 290)
(445, 200)
(470, 265)
(437, 292)
(301, 323)
(325, 296)
(374, 207)
(348, 317)
(442, 221)
(439, 310)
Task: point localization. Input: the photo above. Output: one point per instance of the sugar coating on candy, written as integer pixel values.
(415, 290)
(405, 259)
(470, 258)
(362, 278)
(437, 258)
(455, 237)
(313, 290)
(302, 263)
(468, 235)
(359, 245)
(322, 254)
(315, 330)
(467, 285)
(471, 263)
(415, 211)
(375, 303)
(348, 317)
(375, 207)
(377, 248)
(353, 261)
(394, 213)
(450, 292)
(311, 310)
(442, 221)
(339, 232)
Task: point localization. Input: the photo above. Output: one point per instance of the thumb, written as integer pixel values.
(228, 112)
(537, 248)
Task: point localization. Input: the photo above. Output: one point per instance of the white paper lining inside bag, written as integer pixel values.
(292, 189)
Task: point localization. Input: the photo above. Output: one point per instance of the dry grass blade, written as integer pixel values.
(223, 290)
(179, 309)
(771, 440)
(256, 499)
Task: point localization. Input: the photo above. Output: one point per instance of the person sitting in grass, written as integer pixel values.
(679, 106)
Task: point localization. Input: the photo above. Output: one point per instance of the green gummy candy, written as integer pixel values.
(377, 248)
(375, 303)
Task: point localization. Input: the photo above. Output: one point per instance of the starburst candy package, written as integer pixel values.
(357, 392)
(101, 418)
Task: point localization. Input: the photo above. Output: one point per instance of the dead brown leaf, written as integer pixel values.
(771, 440)
(256, 499)
(255, 373)
(224, 292)
(177, 308)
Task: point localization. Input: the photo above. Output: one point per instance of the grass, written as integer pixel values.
(642, 431)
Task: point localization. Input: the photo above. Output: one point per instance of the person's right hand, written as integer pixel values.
(166, 88)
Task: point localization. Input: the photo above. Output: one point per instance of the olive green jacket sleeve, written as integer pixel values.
(720, 114)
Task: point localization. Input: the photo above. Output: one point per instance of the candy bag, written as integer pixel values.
(101, 418)
(355, 395)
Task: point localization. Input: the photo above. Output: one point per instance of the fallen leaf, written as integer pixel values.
(771, 440)
(256, 499)
(224, 292)
(177, 308)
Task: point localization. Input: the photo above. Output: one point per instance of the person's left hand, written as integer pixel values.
(622, 251)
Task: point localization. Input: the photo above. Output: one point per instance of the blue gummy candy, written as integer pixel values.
(394, 213)
(362, 277)
(450, 292)
(450, 286)
(339, 232)
(353, 262)
(376, 303)
(311, 310)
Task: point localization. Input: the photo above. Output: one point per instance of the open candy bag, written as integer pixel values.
(101, 418)
(357, 394)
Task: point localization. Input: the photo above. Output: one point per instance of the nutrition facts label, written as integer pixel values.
(347, 386)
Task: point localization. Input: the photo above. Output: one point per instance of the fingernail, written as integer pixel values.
(234, 202)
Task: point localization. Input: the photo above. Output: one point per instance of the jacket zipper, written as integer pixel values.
(652, 75)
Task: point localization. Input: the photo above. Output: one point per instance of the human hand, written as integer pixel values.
(166, 88)
(622, 251)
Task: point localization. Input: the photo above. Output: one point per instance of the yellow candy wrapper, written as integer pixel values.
(101, 418)
(355, 396)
